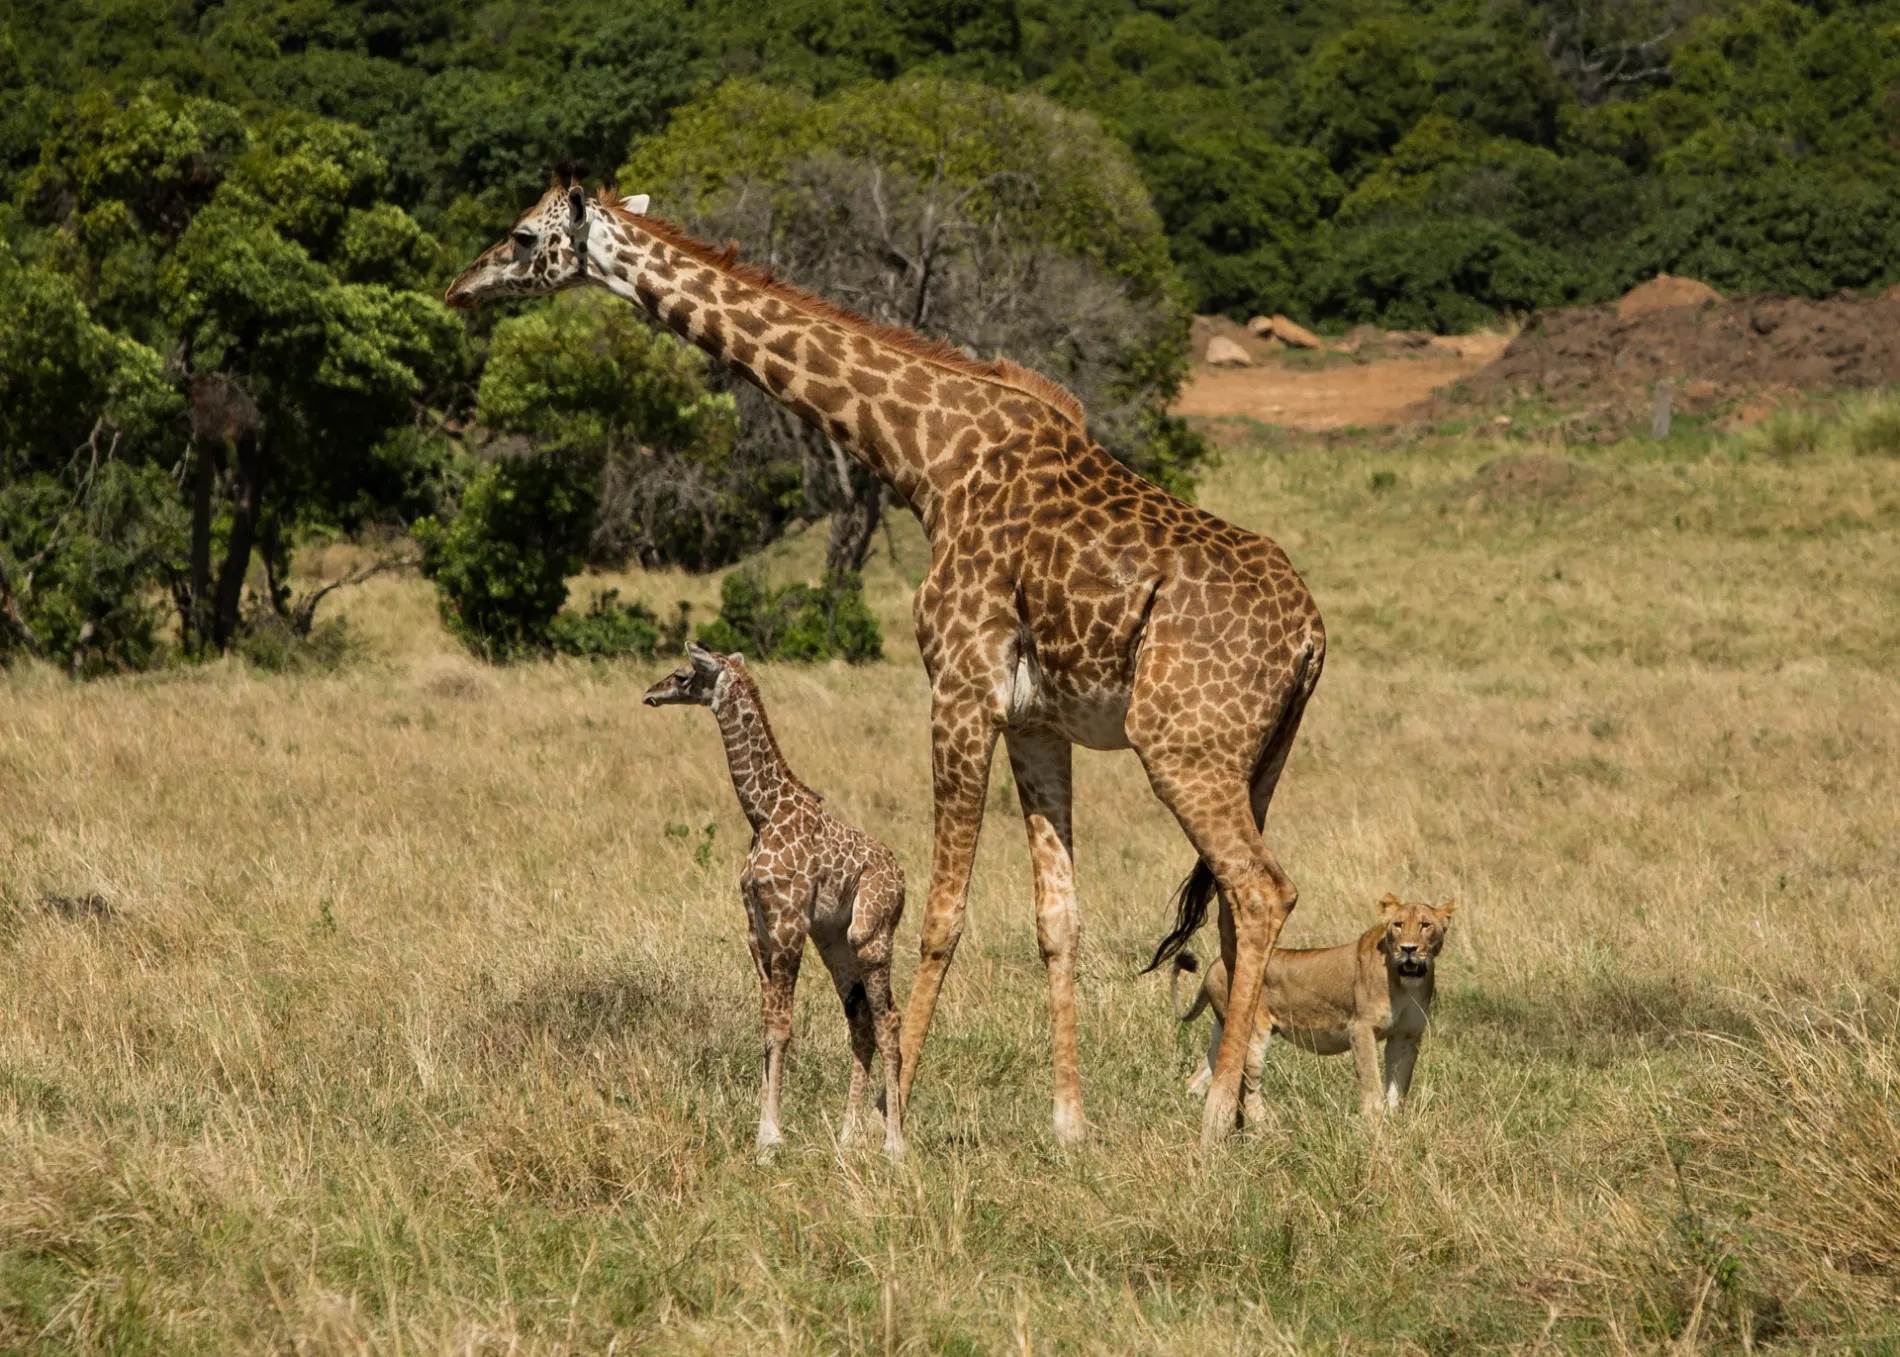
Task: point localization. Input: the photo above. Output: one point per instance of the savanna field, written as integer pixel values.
(406, 1008)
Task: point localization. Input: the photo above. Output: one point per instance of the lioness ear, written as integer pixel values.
(1389, 905)
(1448, 907)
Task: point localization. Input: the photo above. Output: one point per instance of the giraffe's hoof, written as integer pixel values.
(768, 1146)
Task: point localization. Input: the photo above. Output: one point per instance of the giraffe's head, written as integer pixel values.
(700, 681)
(544, 252)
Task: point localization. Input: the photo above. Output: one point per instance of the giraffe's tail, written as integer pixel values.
(1190, 901)
(1190, 912)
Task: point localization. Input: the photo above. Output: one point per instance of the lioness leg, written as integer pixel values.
(1213, 995)
(1365, 1056)
(1400, 1053)
(1205, 1075)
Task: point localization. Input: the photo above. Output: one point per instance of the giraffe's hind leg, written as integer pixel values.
(873, 937)
(1219, 782)
(1043, 765)
(848, 976)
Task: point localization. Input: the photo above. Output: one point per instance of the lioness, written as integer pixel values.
(1332, 999)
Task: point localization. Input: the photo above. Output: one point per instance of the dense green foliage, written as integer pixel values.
(1268, 135)
(610, 629)
(500, 566)
(223, 230)
(795, 622)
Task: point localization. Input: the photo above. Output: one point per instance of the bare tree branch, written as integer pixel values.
(303, 613)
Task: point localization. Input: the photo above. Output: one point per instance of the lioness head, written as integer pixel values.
(1414, 934)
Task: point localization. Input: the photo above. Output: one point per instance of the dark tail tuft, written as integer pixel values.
(1187, 961)
(1190, 912)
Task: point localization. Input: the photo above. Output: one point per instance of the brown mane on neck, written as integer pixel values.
(1001, 371)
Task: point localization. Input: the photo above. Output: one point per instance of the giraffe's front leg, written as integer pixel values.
(779, 936)
(1042, 763)
(962, 741)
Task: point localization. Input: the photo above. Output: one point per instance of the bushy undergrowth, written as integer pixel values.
(796, 622)
(610, 630)
(501, 565)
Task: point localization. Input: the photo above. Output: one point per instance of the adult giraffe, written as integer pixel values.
(1068, 601)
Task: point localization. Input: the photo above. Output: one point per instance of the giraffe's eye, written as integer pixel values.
(524, 241)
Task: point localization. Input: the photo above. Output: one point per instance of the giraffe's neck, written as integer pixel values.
(879, 401)
(760, 775)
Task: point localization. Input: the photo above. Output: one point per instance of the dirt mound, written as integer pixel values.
(1717, 352)
(1525, 479)
(1662, 293)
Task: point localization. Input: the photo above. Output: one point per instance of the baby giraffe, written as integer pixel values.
(808, 874)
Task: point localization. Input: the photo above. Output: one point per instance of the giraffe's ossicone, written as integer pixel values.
(1067, 600)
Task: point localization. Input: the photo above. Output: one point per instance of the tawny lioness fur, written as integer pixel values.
(809, 874)
(1329, 1000)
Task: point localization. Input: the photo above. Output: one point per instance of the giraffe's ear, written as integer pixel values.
(703, 660)
(577, 205)
(637, 204)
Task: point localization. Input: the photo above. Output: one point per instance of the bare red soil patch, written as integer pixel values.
(1368, 392)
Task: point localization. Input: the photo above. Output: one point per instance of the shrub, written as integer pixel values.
(798, 622)
(266, 642)
(1803, 233)
(80, 571)
(501, 565)
(611, 629)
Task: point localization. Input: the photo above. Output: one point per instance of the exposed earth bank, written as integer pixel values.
(1601, 363)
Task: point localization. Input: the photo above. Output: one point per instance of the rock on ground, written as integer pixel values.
(1223, 352)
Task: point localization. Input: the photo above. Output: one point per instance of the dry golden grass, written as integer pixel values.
(423, 1021)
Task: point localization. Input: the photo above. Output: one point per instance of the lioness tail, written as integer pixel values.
(1185, 963)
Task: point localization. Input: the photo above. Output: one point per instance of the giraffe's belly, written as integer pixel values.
(1095, 717)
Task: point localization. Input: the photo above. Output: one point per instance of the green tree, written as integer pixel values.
(287, 296)
(89, 527)
(586, 379)
(500, 566)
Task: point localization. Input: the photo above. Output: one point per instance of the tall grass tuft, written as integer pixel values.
(1788, 434)
(1873, 430)
(1818, 1106)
